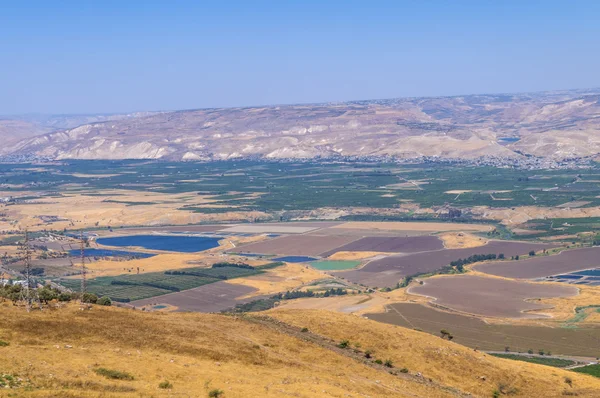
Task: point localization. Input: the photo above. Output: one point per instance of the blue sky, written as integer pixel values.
(119, 56)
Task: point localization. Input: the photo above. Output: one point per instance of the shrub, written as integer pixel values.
(216, 393)
(368, 354)
(165, 385)
(104, 301)
(113, 374)
(530, 351)
(304, 330)
(64, 297)
(569, 381)
(404, 370)
(496, 394)
(379, 361)
(89, 298)
(388, 363)
(3, 343)
(541, 352)
(344, 344)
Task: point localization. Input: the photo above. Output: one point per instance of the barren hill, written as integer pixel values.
(557, 125)
(111, 352)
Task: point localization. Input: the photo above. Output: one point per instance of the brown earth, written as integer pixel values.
(298, 245)
(541, 266)
(386, 272)
(213, 297)
(391, 245)
(477, 333)
(490, 297)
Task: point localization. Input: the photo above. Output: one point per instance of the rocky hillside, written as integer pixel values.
(556, 125)
(111, 352)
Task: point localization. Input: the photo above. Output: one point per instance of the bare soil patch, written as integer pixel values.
(474, 332)
(399, 266)
(343, 255)
(416, 226)
(297, 245)
(392, 245)
(542, 266)
(493, 297)
(213, 297)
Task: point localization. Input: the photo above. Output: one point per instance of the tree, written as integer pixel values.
(532, 253)
(64, 297)
(517, 257)
(530, 351)
(45, 294)
(501, 256)
(89, 298)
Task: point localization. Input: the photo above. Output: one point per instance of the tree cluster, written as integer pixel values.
(474, 259)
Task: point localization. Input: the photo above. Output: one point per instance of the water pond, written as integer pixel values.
(172, 243)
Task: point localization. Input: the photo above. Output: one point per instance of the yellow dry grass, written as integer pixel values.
(287, 277)
(59, 350)
(414, 226)
(351, 304)
(445, 362)
(348, 255)
(112, 209)
(161, 262)
(564, 307)
(461, 240)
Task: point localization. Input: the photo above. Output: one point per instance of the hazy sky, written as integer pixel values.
(112, 56)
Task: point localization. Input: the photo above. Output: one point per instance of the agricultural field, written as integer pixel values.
(592, 370)
(391, 245)
(476, 333)
(127, 288)
(379, 230)
(544, 266)
(490, 297)
(540, 360)
(334, 265)
(213, 297)
(188, 192)
(300, 245)
(388, 271)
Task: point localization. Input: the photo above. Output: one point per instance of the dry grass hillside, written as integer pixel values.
(60, 353)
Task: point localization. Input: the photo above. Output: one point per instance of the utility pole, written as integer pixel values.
(27, 292)
(83, 269)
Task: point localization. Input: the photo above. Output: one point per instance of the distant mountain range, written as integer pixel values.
(557, 125)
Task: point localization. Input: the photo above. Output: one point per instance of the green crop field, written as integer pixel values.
(127, 287)
(334, 265)
(310, 185)
(592, 370)
(555, 362)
